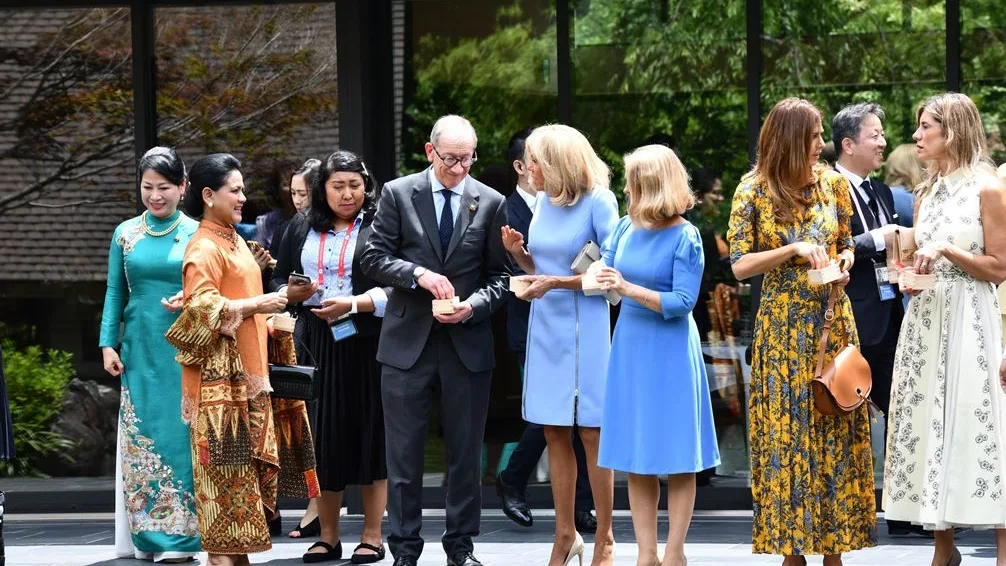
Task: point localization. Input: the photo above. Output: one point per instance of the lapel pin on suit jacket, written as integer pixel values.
(472, 207)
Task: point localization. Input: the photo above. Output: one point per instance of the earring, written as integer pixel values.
(211, 205)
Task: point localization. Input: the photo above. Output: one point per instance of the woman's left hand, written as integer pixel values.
(174, 303)
(540, 284)
(334, 308)
(925, 258)
(262, 258)
(611, 280)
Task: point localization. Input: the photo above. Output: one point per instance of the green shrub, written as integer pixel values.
(36, 383)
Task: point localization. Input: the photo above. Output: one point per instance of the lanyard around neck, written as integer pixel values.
(342, 257)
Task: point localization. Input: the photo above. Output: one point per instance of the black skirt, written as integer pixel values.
(347, 419)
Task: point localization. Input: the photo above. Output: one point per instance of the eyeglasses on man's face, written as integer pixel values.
(451, 161)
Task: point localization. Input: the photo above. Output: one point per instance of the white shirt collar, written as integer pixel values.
(529, 199)
(438, 186)
(853, 178)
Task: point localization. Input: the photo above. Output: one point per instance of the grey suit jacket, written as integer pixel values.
(405, 236)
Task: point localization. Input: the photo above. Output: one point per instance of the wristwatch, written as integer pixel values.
(418, 272)
(353, 309)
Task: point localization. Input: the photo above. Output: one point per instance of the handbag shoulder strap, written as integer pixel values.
(829, 317)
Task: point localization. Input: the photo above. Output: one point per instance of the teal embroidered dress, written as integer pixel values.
(155, 507)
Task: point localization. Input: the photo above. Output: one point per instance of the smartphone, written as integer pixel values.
(299, 279)
(254, 246)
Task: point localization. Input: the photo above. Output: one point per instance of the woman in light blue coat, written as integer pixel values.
(568, 332)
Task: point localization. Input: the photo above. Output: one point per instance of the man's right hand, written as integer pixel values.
(437, 284)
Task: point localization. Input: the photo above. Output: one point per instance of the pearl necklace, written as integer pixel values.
(165, 232)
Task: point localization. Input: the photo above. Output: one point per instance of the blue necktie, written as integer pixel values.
(446, 221)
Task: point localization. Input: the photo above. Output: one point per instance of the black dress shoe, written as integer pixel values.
(514, 503)
(405, 561)
(463, 559)
(905, 528)
(585, 522)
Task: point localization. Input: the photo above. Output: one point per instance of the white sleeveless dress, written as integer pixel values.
(945, 443)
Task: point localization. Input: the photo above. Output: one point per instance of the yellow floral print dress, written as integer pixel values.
(811, 475)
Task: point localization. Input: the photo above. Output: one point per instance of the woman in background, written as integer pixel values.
(155, 513)
(347, 419)
(904, 173)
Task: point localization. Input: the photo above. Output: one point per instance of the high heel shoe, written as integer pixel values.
(955, 558)
(575, 550)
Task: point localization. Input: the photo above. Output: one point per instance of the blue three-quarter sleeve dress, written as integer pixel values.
(658, 416)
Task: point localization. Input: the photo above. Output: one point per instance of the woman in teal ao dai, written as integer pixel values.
(155, 516)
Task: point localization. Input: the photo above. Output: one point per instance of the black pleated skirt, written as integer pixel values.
(347, 419)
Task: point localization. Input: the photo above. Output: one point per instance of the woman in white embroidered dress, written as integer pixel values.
(945, 463)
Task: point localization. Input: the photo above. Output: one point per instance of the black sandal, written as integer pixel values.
(311, 529)
(333, 552)
(367, 558)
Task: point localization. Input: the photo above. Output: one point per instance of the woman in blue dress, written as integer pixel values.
(568, 332)
(155, 515)
(658, 417)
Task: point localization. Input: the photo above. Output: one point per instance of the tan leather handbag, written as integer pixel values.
(845, 383)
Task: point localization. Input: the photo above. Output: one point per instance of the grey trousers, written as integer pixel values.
(464, 401)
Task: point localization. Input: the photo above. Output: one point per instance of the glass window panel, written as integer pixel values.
(652, 71)
(499, 71)
(983, 62)
(888, 51)
(257, 81)
(66, 149)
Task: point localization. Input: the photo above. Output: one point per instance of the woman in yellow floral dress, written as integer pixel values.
(246, 447)
(811, 475)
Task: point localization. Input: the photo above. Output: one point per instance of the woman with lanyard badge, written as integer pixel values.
(340, 319)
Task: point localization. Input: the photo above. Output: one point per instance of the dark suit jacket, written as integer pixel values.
(405, 236)
(872, 315)
(518, 311)
(288, 260)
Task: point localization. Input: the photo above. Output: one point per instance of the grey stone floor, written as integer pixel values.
(714, 538)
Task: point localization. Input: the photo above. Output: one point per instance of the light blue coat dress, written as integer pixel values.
(568, 336)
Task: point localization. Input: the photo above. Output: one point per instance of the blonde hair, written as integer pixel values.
(657, 185)
(963, 131)
(1001, 172)
(784, 155)
(904, 168)
(569, 164)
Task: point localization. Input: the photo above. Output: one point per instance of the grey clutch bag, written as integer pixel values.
(589, 254)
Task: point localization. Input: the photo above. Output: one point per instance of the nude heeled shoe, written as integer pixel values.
(575, 550)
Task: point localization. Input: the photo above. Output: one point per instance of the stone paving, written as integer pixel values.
(714, 538)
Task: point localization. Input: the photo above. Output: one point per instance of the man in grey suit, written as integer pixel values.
(437, 235)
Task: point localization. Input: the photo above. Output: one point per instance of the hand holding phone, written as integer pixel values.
(298, 279)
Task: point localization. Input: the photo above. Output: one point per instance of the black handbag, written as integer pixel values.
(295, 381)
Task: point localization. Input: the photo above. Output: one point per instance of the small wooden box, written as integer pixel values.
(519, 283)
(917, 281)
(445, 306)
(825, 275)
(906, 245)
(589, 281)
(284, 322)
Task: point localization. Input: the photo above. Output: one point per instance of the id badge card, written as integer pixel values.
(884, 287)
(343, 329)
